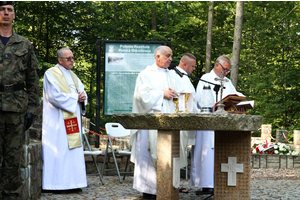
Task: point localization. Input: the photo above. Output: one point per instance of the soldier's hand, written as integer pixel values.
(28, 120)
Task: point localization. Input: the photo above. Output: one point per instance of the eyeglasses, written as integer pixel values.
(68, 58)
(225, 70)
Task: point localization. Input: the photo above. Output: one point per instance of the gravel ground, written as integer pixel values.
(266, 184)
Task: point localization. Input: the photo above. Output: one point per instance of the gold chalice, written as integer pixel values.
(186, 98)
(176, 101)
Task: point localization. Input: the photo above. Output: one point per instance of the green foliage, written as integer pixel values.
(269, 59)
(270, 63)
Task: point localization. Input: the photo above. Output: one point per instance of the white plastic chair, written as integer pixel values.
(92, 153)
(116, 130)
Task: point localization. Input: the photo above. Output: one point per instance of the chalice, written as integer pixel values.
(187, 96)
(176, 101)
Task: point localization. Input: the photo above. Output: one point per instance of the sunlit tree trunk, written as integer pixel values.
(209, 36)
(237, 42)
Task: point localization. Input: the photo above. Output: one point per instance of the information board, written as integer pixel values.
(124, 60)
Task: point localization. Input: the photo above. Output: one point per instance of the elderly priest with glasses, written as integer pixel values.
(64, 103)
(202, 159)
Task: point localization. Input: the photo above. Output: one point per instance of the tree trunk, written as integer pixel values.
(47, 33)
(153, 18)
(237, 42)
(116, 8)
(209, 36)
(166, 17)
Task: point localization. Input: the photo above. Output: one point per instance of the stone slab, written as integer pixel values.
(233, 139)
(190, 121)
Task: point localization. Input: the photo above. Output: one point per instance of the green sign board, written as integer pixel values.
(123, 62)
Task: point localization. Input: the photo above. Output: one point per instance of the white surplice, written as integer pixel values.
(62, 168)
(202, 157)
(184, 85)
(148, 98)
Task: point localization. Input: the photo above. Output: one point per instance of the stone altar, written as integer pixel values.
(232, 139)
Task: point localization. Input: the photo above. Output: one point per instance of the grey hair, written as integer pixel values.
(222, 59)
(159, 51)
(60, 52)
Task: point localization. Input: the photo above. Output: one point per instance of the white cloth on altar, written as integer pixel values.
(62, 168)
(202, 156)
(148, 98)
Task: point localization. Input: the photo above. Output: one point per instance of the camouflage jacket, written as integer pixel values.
(18, 64)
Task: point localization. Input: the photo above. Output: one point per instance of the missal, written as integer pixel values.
(234, 103)
(245, 104)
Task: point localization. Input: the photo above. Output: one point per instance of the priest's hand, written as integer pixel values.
(28, 120)
(170, 94)
(81, 97)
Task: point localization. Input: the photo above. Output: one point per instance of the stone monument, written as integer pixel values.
(232, 140)
(266, 132)
(281, 136)
(297, 140)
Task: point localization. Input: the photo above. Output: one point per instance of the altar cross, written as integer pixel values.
(231, 168)
(220, 106)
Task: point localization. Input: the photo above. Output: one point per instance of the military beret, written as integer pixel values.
(4, 3)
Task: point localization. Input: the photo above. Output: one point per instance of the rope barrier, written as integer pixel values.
(104, 136)
(95, 125)
(125, 140)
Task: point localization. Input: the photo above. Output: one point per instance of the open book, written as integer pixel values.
(234, 103)
(245, 104)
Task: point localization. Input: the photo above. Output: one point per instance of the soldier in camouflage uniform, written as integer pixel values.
(19, 97)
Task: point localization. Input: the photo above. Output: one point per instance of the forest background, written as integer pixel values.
(269, 57)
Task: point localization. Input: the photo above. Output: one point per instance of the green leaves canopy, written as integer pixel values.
(269, 65)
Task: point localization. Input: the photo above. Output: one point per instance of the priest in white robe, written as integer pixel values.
(153, 94)
(63, 96)
(202, 159)
(184, 86)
